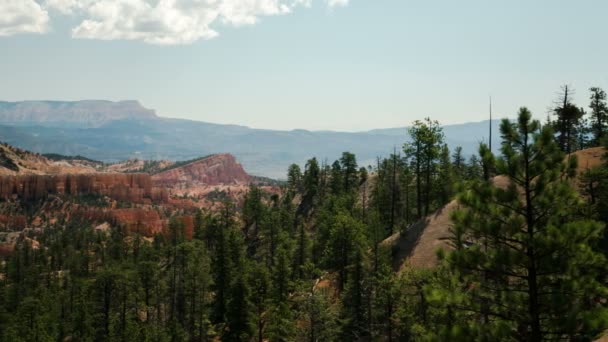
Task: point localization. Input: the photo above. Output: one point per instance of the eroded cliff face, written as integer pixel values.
(135, 202)
(218, 169)
(219, 173)
(136, 188)
(140, 221)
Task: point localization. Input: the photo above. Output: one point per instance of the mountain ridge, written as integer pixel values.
(263, 152)
(84, 113)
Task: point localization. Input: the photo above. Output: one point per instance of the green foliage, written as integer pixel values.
(311, 263)
(524, 251)
(567, 120)
(423, 153)
(599, 115)
(294, 178)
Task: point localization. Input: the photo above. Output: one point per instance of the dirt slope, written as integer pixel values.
(589, 158)
(417, 248)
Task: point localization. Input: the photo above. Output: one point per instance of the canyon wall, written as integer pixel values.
(213, 170)
(136, 188)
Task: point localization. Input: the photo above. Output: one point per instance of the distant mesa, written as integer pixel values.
(117, 131)
(83, 114)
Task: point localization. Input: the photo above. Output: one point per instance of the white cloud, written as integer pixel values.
(169, 22)
(337, 3)
(165, 23)
(68, 6)
(22, 16)
(162, 22)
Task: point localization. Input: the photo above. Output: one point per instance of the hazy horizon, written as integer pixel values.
(495, 118)
(299, 64)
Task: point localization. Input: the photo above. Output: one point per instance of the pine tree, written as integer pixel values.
(524, 253)
(474, 171)
(583, 132)
(487, 161)
(282, 327)
(253, 208)
(345, 238)
(336, 179)
(568, 116)
(312, 174)
(348, 163)
(260, 290)
(354, 299)
(458, 163)
(599, 115)
(445, 177)
(239, 320)
(197, 292)
(294, 178)
(319, 317)
(424, 151)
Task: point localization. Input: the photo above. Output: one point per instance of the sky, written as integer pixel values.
(347, 65)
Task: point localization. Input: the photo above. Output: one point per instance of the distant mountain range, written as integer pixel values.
(113, 131)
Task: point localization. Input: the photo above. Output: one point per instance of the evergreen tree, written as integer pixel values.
(523, 251)
(459, 163)
(583, 132)
(474, 171)
(260, 295)
(599, 115)
(282, 327)
(487, 161)
(239, 320)
(423, 151)
(348, 164)
(354, 299)
(311, 179)
(445, 176)
(336, 179)
(319, 317)
(253, 208)
(568, 116)
(294, 178)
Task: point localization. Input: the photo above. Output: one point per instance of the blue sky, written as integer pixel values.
(313, 64)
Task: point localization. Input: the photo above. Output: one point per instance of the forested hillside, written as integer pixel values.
(524, 258)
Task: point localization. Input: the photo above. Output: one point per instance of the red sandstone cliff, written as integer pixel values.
(135, 188)
(219, 169)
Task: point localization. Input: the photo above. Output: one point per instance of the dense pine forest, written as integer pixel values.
(527, 256)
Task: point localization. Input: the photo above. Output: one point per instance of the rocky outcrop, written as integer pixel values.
(15, 161)
(136, 220)
(14, 222)
(135, 188)
(213, 170)
(188, 225)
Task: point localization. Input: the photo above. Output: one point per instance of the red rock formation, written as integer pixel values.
(135, 188)
(13, 222)
(135, 220)
(188, 222)
(213, 170)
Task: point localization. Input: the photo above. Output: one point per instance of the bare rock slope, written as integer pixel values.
(203, 174)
